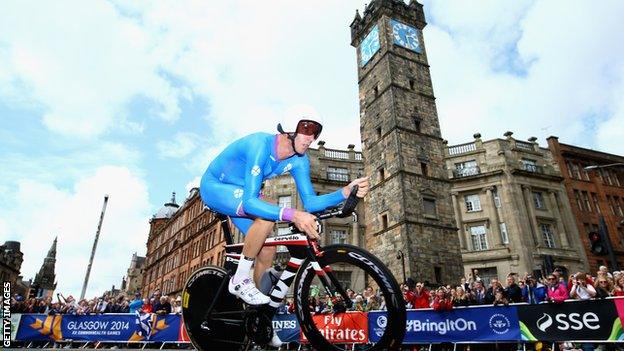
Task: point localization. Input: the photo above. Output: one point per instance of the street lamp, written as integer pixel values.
(603, 166)
(401, 256)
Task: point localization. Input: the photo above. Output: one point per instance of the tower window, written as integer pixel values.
(437, 272)
(376, 90)
(382, 174)
(411, 84)
(384, 221)
(417, 124)
(423, 169)
(429, 205)
(379, 132)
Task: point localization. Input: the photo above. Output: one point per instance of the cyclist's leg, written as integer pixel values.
(264, 261)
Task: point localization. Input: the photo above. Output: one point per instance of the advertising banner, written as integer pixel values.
(574, 320)
(287, 327)
(458, 325)
(108, 327)
(349, 327)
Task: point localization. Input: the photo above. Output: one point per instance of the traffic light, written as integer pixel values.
(597, 245)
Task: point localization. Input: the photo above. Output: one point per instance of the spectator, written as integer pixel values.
(534, 292)
(359, 303)
(460, 298)
(422, 297)
(513, 292)
(442, 300)
(478, 293)
(176, 307)
(408, 296)
(495, 286)
(581, 289)
(605, 271)
(163, 306)
(604, 288)
(146, 307)
(464, 284)
(474, 276)
(619, 286)
(136, 304)
(556, 291)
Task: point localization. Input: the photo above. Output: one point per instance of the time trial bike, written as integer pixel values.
(217, 320)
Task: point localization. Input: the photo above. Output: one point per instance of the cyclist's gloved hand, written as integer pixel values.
(363, 185)
(306, 222)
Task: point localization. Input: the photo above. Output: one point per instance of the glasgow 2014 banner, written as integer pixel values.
(107, 327)
(462, 324)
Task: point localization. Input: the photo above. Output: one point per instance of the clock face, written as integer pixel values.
(405, 36)
(369, 46)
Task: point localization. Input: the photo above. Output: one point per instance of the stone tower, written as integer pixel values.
(409, 207)
(44, 283)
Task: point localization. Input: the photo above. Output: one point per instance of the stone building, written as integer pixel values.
(187, 237)
(134, 277)
(595, 196)
(409, 207)
(511, 208)
(11, 258)
(45, 281)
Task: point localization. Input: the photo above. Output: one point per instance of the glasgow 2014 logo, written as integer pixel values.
(499, 324)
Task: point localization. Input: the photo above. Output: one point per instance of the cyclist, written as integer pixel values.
(232, 186)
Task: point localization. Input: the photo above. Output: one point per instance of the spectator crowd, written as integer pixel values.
(156, 303)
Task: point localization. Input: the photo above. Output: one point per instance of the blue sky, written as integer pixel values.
(134, 99)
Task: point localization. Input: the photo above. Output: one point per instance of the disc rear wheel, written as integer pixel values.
(223, 329)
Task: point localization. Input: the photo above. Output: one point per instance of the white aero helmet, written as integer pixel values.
(301, 119)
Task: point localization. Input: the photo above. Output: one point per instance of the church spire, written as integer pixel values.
(44, 283)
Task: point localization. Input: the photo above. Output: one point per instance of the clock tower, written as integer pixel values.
(409, 210)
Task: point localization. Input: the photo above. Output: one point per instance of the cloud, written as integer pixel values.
(536, 68)
(43, 211)
(181, 145)
(82, 62)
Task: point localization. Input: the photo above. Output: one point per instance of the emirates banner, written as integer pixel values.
(597, 320)
(350, 327)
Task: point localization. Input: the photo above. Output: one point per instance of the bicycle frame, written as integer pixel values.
(299, 248)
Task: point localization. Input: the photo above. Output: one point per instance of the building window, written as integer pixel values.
(378, 132)
(576, 173)
(497, 200)
(473, 203)
(586, 201)
(376, 90)
(479, 238)
(538, 200)
(577, 197)
(610, 202)
(423, 169)
(468, 168)
(585, 173)
(504, 235)
(337, 173)
(606, 176)
(411, 84)
(429, 206)
(618, 207)
(338, 236)
(547, 235)
(437, 273)
(382, 175)
(285, 201)
(384, 221)
(596, 206)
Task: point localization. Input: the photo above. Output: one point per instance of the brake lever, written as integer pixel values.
(350, 203)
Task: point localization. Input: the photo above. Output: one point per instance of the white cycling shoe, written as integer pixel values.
(246, 290)
(275, 340)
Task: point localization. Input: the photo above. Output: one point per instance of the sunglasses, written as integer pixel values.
(307, 127)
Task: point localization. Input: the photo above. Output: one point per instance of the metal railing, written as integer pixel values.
(466, 172)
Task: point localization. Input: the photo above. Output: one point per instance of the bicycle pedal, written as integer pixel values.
(205, 326)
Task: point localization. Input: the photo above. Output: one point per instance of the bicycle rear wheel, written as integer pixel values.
(223, 329)
(353, 268)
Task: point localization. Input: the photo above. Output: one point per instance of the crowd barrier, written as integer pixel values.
(593, 320)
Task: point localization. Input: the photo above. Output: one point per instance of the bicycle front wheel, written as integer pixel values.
(323, 318)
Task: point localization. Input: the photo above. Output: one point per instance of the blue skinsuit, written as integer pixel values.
(231, 185)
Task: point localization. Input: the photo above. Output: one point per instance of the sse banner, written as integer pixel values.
(108, 327)
(574, 320)
(287, 327)
(461, 324)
